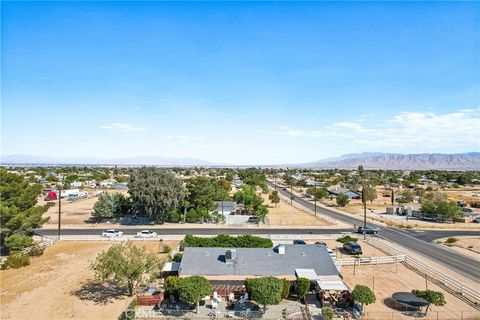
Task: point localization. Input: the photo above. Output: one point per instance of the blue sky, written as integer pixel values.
(239, 83)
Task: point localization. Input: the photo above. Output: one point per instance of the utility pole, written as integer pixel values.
(291, 194)
(59, 209)
(275, 181)
(364, 201)
(315, 196)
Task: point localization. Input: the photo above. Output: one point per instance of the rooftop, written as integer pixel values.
(211, 263)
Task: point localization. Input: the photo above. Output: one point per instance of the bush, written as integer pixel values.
(226, 241)
(16, 260)
(129, 313)
(303, 285)
(166, 248)
(178, 257)
(286, 288)
(327, 313)
(347, 239)
(265, 290)
(171, 285)
(342, 200)
(35, 251)
(451, 240)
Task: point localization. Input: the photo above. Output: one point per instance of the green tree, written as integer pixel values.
(19, 213)
(303, 285)
(433, 297)
(194, 288)
(274, 197)
(342, 200)
(265, 290)
(248, 197)
(363, 294)
(171, 285)
(157, 191)
(368, 194)
(360, 170)
(320, 193)
(442, 208)
(125, 264)
(202, 192)
(261, 212)
(110, 206)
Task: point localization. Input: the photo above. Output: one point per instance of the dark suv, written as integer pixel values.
(367, 230)
(352, 248)
(299, 242)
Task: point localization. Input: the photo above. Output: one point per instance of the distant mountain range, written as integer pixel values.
(397, 161)
(369, 160)
(130, 161)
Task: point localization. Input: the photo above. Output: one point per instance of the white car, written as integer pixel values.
(112, 233)
(146, 234)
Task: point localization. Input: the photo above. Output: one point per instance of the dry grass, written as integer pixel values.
(388, 279)
(74, 212)
(285, 214)
(57, 285)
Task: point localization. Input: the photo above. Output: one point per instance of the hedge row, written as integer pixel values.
(226, 241)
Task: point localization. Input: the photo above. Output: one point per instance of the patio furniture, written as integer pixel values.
(230, 314)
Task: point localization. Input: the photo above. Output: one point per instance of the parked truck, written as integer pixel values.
(52, 195)
(78, 196)
(67, 193)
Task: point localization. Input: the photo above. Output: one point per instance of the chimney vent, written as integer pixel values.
(230, 255)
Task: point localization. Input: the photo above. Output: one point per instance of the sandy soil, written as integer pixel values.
(388, 279)
(469, 246)
(57, 285)
(74, 212)
(285, 214)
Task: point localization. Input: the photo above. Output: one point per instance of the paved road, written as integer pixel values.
(419, 242)
(198, 231)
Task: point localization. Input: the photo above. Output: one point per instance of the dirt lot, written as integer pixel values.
(386, 280)
(56, 285)
(74, 212)
(285, 214)
(469, 246)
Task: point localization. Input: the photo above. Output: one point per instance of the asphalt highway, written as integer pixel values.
(419, 241)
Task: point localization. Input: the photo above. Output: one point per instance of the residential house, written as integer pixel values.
(336, 190)
(231, 266)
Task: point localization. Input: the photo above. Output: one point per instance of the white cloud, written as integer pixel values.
(405, 131)
(183, 137)
(122, 127)
(285, 131)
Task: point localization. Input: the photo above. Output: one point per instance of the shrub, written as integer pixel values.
(342, 200)
(347, 239)
(171, 285)
(286, 288)
(16, 260)
(327, 313)
(226, 241)
(35, 251)
(178, 257)
(266, 290)
(303, 285)
(451, 240)
(166, 248)
(129, 313)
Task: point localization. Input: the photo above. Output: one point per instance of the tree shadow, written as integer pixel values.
(100, 293)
